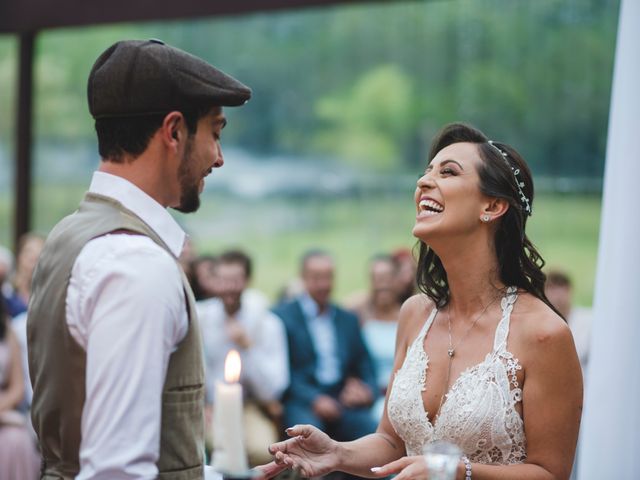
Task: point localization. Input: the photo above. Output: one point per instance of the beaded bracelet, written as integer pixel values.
(467, 467)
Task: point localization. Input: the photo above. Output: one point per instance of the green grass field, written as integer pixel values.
(276, 231)
(564, 228)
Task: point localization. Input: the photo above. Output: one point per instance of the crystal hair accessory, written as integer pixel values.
(516, 172)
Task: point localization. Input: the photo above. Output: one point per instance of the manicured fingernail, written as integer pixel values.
(376, 469)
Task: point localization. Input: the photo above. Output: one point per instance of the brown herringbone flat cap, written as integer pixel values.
(134, 77)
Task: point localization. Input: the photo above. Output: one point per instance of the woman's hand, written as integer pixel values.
(310, 451)
(406, 468)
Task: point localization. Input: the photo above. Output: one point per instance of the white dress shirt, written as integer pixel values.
(126, 308)
(323, 336)
(265, 364)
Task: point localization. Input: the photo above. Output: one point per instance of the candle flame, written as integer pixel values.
(232, 367)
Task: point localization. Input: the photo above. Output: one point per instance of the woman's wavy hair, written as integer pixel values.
(519, 262)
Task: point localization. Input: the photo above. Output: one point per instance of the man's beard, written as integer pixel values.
(189, 188)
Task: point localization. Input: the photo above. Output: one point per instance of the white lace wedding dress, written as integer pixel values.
(478, 413)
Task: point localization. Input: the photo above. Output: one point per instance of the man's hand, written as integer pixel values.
(326, 408)
(356, 393)
(269, 470)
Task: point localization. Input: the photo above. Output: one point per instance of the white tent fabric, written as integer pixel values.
(610, 438)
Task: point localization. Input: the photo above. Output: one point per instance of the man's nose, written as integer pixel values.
(220, 157)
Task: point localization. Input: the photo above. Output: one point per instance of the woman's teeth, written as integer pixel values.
(430, 207)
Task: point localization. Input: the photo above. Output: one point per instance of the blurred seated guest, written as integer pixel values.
(200, 275)
(379, 319)
(406, 278)
(15, 305)
(231, 322)
(333, 383)
(18, 457)
(29, 248)
(19, 327)
(559, 291)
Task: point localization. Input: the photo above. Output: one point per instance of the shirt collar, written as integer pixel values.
(310, 307)
(145, 207)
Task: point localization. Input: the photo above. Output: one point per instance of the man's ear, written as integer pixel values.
(495, 208)
(172, 129)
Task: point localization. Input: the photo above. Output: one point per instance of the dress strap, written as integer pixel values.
(502, 332)
(427, 324)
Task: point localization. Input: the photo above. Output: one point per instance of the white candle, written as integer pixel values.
(229, 454)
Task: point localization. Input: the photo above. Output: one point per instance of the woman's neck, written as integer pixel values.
(472, 275)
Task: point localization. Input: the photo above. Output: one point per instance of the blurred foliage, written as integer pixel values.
(373, 83)
(370, 123)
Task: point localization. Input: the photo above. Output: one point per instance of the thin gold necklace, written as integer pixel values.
(451, 351)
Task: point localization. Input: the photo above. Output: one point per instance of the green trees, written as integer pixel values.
(372, 83)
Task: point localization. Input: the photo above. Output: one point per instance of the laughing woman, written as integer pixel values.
(482, 358)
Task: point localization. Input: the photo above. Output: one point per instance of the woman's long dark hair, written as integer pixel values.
(519, 262)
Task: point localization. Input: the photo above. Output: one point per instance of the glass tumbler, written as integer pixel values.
(442, 460)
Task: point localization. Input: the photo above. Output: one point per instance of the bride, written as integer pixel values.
(482, 358)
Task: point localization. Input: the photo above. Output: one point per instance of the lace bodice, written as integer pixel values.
(478, 413)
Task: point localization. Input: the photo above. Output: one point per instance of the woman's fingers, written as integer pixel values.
(280, 446)
(393, 467)
(299, 430)
(407, 468)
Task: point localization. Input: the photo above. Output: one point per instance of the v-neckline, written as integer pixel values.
(489, 356)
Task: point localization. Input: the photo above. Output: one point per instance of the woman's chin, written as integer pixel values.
(423, 231)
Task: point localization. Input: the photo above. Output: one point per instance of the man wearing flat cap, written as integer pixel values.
(114, 344)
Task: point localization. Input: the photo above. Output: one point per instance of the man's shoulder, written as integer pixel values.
(128, 243)
(134, 255)
(344, 314)
(287, 306)
(288, 310)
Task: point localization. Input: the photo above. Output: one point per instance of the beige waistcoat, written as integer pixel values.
(57, 363)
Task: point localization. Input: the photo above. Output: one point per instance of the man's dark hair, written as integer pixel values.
(131, 135)
(313, 253)
(237, 257)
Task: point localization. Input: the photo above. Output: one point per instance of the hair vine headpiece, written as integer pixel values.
(516, 172)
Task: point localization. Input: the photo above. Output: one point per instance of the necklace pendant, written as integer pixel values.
(451, 352)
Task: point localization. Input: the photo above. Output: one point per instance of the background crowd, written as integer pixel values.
(305, 358)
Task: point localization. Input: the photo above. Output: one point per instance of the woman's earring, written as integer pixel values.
(486, 218)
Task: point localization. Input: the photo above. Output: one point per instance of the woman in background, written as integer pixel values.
(18, 456)
(378, 313)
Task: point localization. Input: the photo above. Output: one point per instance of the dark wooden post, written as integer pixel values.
(24, 136)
